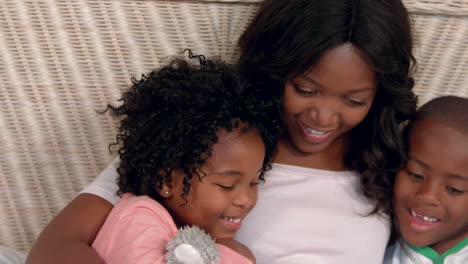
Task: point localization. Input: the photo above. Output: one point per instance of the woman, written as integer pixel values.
(339, 72)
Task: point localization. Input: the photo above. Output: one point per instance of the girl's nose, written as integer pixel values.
(246, 197)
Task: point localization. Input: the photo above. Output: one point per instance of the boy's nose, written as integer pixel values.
(428, 193)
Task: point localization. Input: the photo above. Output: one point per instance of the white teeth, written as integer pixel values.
(425, 218)
(234, 220)
(315, 132)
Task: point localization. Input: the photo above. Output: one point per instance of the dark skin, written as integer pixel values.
(338, 89)
(67, 238)
(78, 231)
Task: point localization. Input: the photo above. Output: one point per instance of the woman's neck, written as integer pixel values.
(332, 158)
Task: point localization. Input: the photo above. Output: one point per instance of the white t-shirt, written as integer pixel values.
(302, 216)
(402, 253)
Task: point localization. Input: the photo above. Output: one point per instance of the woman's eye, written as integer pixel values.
(226, 187)
(415, 176)
(454, 191)
(305, 91)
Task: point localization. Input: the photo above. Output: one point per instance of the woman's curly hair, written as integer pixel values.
(170, 119)
(286, 38)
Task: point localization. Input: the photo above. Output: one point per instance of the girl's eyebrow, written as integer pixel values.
(232, 173)
(458, 176)
(227, 173)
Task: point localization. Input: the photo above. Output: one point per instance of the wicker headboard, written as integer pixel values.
(61, 60)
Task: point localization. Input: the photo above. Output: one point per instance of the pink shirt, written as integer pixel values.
(137, 231)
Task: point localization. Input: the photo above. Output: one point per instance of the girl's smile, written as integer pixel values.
(233, 223)
(227, 191)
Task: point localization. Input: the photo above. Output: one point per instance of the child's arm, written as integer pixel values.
(67, 238)
(238, 247)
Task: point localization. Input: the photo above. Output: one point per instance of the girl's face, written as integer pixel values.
(329, 100)
(221, 200)
(431, 192)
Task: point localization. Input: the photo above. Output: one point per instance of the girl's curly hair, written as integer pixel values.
(170, 119)
(286, 38)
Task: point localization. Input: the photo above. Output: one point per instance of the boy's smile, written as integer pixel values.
(431, 192)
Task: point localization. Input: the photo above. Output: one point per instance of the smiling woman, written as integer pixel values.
(325, 103)
(303, 214)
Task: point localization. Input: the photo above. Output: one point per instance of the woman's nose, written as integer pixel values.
(325, 113)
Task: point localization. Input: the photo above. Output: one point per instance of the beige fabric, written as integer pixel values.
(61, 60)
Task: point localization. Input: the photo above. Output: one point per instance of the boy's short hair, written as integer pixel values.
(449, 110)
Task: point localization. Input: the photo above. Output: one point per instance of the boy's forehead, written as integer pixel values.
(439, 146)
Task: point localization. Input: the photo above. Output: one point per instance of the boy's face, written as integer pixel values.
(221, 200)
(431, 191)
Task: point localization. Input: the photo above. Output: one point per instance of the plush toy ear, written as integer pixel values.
(191, 245)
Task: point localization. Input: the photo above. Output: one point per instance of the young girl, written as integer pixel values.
(194, 147)
(431, 191)
(339, 72)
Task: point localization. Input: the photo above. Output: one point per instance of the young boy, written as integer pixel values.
(431, 190)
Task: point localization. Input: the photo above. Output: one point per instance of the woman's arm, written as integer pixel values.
(68, 237)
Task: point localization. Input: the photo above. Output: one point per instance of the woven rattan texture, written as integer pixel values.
(61, 60)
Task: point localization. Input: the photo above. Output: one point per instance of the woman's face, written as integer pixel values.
(329, 100)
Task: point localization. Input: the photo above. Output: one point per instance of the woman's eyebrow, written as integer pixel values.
(420, 162)
(308, 79)
(359, 90)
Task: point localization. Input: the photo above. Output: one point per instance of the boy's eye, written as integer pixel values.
(226, 187)
(415, 176)
(356, 102)
(453, 190)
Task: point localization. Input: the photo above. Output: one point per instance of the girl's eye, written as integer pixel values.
(226, 187)
(308, 91)
(254, 184)
(415, 176)
(356, 102)
(454, 191)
